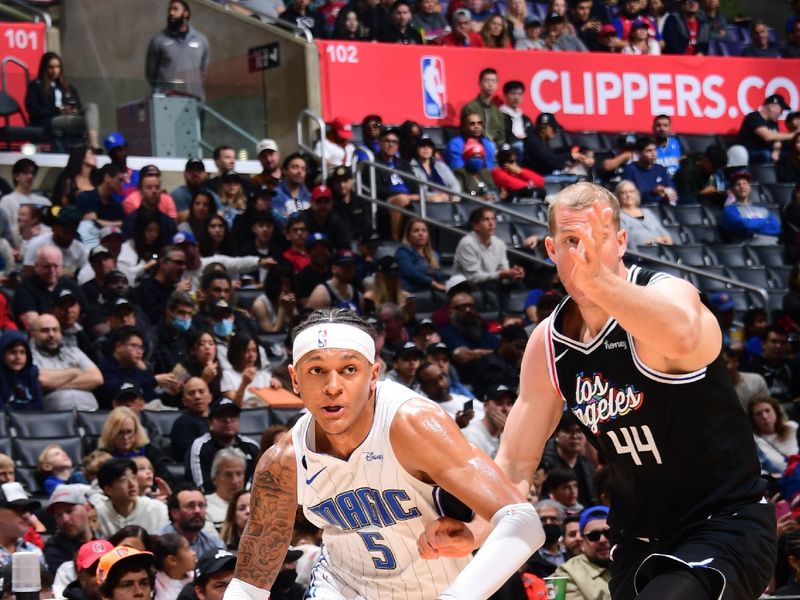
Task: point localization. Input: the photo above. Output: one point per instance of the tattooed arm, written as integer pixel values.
(273, 502)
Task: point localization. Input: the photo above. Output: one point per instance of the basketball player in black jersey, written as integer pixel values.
(636, 357)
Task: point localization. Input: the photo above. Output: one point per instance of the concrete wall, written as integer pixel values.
(104, 45)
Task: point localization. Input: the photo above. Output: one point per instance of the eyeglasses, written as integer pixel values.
(474, 122)
(594, 536)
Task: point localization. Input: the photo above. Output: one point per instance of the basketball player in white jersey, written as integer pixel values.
(363, 464)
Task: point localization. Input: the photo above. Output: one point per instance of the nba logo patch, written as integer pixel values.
(433, 87)
(322, 338)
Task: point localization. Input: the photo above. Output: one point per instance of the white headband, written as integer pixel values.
(333, 335)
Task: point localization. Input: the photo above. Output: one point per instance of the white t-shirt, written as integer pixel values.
(216, 508)
(74, 257)
(480, 437)
(149, 514)
(456, 404)
(231, 380)
(335, 154)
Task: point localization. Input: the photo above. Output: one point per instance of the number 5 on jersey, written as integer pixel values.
(633, 444)
(387, 560)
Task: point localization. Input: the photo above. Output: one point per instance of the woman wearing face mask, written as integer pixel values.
(475, 178)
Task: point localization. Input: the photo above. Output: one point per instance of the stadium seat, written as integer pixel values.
(758, 276)
(776, 299)
(253, 422)
(696, 144)
(690, 214)
(5, 446)
(730, 48)
(654, 252)
(741, 299)
(29, 479)
(735, 256)
(281, 415)
(506, 232)
(705, 234)
(763, 173)
(516, 301)
(440, 211)
(525, 229)
(713, 285)
(42, 424)
(428, 301)
(436, 134)
(11, 133)
(26, 450)
(177, 472)
(91, 422)
(679, 234)
(591, 139)
(770, 256)
(694, 255)
(534, 210)
(734, 33)
(781, 192)
(3, 424)
(780, 275)
(160, 420)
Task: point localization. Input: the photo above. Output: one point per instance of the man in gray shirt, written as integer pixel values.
(556, 35)
(177, 57)
(66, 374)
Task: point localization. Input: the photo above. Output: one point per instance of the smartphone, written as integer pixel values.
(468, 405)
(782, 509)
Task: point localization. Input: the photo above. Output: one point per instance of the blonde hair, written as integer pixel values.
(114, 423)
(381, 294)
(140, 460)
(580, 196)
(427, 249)
(523, 13)
(42, 459)
(93, 461)
(6, 461)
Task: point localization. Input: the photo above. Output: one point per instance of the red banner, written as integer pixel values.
(586, 91)
(21, 45)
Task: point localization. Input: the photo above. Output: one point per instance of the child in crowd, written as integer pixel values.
(19, 377)
(174, 562)
(55, 468)
(583, 169)
(6, 468)
(92, 463)
(149, 484)
(35, 527)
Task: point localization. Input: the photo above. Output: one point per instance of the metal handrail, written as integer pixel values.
(18, 62)
(322, 134)
(295, 29)
(227, 122)
(372, 165)
(38, 14)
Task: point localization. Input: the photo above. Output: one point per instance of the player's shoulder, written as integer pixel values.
(418, 416)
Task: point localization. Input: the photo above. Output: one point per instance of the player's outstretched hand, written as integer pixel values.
(445, 537)
(587, 256)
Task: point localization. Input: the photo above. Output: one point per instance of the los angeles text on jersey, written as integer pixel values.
(599, 401)
(364, 507)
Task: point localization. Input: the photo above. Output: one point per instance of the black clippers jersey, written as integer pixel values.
(679, 447)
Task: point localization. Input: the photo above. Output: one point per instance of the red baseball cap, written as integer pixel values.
(90, 553)
(342, 128)
(473, 148)
(321, 191)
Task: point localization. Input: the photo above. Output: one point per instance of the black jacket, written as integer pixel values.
(541, 158)
(41, 105)
(383, 179)
(676, 35)
(201, 453)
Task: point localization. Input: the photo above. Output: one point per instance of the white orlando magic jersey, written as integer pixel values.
(371, 512)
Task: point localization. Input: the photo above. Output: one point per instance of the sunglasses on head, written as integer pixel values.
(594, 536)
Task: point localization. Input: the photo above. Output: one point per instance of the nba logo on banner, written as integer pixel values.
(433, 88)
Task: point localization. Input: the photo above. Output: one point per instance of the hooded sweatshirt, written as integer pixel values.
(19, 390)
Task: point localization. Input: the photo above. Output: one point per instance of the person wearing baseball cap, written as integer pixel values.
(338, 291)
(320, 217)
(269, 155)
(15, 511)
(85, 586)
(497, 403)
(474, 177)
(68, 505)
(212, 574)
(759, 131)
(116, 147)
(126, 574)
(538, 155)
(195, 178)
(337, 148)
(223, 432)
(743, 221)
(588, 573)
(405, 364)
(354, 210)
